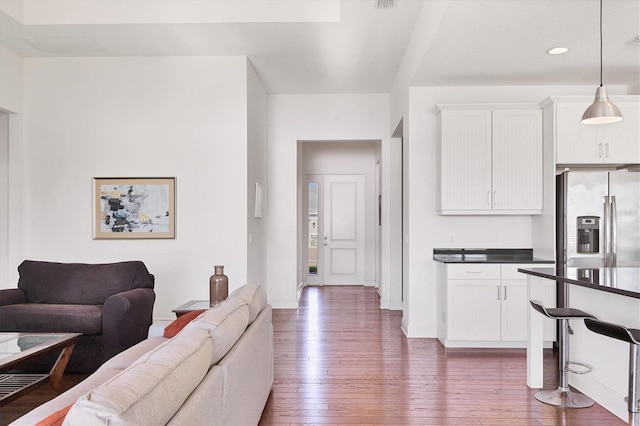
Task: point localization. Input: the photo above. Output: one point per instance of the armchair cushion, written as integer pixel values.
(85, 319)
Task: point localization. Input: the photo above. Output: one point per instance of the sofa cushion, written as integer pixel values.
(255, 297)
(225, 322)
(85, 319)
(67, 398)
(127, 357)
(80, 283)
(152, 389)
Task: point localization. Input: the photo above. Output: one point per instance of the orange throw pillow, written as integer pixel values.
(56, 418)
(180, 322)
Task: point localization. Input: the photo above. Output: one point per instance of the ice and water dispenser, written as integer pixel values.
(588, 234)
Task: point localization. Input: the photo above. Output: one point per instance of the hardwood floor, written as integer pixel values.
(341, 360)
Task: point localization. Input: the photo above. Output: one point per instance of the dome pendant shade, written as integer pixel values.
(601, 111)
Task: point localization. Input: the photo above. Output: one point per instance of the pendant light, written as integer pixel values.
(601, 111)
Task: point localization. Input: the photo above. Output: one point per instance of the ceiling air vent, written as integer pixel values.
(386, 4)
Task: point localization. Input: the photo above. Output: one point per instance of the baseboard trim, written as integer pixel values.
(396, 306)
(284, 304)
(299, 289)
(602, 394)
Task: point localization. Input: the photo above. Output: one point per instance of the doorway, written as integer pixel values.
(339, 213)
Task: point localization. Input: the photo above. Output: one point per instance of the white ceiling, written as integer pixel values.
(477, 42)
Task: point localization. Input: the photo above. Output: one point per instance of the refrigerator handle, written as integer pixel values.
(607, 231)
(613, 238)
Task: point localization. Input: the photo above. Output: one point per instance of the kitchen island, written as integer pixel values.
(610, 294)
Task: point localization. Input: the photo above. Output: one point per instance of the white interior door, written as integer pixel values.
(343, 230)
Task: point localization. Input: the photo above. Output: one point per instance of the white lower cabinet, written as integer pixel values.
(485, 305)
(514, 306)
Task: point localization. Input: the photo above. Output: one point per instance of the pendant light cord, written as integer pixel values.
(600, 43)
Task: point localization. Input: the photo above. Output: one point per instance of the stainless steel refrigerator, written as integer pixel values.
(598, 219)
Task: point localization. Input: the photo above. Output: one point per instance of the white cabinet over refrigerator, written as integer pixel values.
(588, 144)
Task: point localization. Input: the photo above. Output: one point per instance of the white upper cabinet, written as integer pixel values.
(517, 160)
(615, 143)
(490, 160)
(466, 160)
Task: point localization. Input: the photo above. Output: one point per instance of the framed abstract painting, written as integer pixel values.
(134, 208)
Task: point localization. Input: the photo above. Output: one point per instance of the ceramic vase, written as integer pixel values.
(218, 286)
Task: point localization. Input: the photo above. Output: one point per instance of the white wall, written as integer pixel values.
(10, 81)
(145, 116)
(4, 199)
(350, 157)
(256, 173)
(294, 118)
(11, 167)
(426, 229)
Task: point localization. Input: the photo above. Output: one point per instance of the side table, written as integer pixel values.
(191, 305)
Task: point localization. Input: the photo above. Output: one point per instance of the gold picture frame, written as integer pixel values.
(134, 208)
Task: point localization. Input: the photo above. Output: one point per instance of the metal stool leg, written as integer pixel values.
(564, 397)
(633, 399)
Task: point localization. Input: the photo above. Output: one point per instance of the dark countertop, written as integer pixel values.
(486, 256)
(623, 281)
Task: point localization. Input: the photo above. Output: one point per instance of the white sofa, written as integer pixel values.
(217, 371)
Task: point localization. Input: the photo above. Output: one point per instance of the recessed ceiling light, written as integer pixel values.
(557, 50)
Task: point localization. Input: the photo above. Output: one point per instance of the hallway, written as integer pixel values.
(339, 359)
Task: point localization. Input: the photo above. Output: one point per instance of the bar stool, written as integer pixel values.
(564, 397)
(631, 336)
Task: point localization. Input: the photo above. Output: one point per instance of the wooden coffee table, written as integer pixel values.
(16, 348)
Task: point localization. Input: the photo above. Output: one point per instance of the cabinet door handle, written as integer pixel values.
(606, 150)
(495, 198)
(498, 292)
(505, 294)
(489, 197)
(600, 150)
(473, 272)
